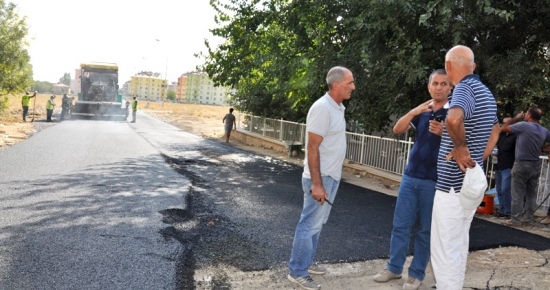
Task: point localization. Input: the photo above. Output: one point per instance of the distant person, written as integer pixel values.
(506, 148)
(134, 109)
(531, 136)
(325, 153)
(127, 107)
(471, 126)
(416, 192)
(25, 103)
(50, 104)
(65, 106)
(230, 124)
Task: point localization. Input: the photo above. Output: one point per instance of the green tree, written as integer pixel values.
(171, 95)
(65, 79)
(277, 52)
(15, 70)
(42, 87)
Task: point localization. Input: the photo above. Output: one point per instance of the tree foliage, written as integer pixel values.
(171, 95)
(277, 52)
(15, 70)
(42, 87)
(65, 79)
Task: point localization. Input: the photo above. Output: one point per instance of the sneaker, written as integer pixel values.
(305, 282)
(386, 276)
(545, 221)
(412, 284)
(317, 270)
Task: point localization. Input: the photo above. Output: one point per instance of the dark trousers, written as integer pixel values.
(25, 112)
(525, 182)
(49, 114)
(63, 113)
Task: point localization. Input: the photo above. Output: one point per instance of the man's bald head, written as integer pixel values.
(459, 62)
(461, 55)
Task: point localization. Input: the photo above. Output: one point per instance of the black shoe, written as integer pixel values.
(501, 215)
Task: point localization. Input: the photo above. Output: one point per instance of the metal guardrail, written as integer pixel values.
(387, 154)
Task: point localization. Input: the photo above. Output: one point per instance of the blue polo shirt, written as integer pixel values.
(480, 114)
(423, 156)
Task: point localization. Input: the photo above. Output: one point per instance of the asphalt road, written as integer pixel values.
(79, 209)
(110, 205)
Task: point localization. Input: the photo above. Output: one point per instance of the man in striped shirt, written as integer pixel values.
(471, 127)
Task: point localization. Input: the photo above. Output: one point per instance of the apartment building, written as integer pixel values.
(148, 87)
(196, 87)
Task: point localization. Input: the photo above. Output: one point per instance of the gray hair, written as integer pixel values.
(335, 74)
(436, 72)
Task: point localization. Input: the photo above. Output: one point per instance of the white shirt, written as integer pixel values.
(326, 119)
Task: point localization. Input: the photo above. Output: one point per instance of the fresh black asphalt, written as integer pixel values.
(246, 207)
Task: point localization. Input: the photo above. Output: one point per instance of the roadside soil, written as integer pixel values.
(206, 121)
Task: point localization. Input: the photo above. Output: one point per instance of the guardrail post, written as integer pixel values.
(263, 128)
(362, 149)
(281, 130)
(251, 122)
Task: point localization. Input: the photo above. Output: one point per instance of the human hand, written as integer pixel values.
(423, 108)
(520, 115)
(319, 194)
(436, 127)
(462, 157)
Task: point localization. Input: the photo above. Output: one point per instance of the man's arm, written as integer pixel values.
(506, 126)
(455, 127)
(492, 142)
(314, 162)
(223, 120)
(403, 124)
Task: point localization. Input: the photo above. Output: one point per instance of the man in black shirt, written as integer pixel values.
(506, 155)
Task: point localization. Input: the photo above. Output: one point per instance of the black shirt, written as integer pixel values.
(506, 146)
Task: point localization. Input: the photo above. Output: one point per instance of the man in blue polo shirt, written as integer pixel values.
(471, 127)
(417, 189)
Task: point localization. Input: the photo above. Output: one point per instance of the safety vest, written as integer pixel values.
(26, 101)
(134, 105)
(50, 104)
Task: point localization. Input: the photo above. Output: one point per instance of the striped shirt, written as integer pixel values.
(480, 114)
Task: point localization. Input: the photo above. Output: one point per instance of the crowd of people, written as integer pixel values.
(443, 183)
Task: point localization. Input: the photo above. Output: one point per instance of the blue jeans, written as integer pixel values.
(313, 217)
(504, 193)
(414, 202)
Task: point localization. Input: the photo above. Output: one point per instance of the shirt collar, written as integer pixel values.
(470, 76)
(333, 103)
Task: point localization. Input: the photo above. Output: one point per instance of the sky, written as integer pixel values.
(160, 36)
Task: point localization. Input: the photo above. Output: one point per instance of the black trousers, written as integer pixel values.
(25, 112)
(49, 114)
(63, 113)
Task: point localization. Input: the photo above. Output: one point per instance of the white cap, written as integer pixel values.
(473, 187)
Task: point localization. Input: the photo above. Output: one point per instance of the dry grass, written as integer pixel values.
(15, 111)
(202, 120)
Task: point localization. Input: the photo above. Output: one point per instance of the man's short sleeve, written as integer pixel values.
(414, 122)
(518, 127)
(318, 121)
(464, 98)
